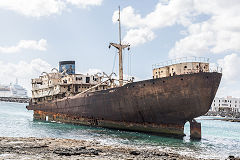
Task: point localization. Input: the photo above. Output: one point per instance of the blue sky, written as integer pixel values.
(37, 34)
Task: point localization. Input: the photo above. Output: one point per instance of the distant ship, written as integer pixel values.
(178, 92)
(13, 90)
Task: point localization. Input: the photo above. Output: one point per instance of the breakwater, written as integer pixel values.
(15, 99)
(228, 114)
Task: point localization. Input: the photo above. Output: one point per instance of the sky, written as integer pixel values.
(37, 34)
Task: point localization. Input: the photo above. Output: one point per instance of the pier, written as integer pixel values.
(14, 99)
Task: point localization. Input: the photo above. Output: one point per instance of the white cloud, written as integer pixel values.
(39, 8)
(174, 12)
(34, 8)
(85, 3)
(26, 44)
(230, 83)
(24, 71)
(92, 71)
(138, 36)
(216, 32)
(230, 65)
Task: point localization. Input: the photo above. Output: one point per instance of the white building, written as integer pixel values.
(228, 104)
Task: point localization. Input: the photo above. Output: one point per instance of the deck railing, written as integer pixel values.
(212, 67)
(180, 60)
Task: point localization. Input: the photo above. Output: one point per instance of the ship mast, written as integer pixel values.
(120, 47)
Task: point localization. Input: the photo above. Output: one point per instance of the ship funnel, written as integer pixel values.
(69, 66)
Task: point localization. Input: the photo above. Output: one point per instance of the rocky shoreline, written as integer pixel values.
(53, 148)
(60, 149)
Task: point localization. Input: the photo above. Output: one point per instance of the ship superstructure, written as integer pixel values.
(57, 85)
(179, 66)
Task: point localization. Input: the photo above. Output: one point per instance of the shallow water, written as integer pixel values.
(219, 138)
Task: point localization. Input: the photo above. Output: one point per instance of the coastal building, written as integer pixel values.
(228, 104)
(13, 90)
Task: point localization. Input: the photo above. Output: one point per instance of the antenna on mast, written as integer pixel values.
(120, 47)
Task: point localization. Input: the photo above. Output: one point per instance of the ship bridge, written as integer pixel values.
(185, 65)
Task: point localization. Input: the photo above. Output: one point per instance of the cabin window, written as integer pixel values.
(78, 78)
(87, 79)
(76, 89)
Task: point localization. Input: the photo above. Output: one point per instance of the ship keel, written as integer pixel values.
(173, 130)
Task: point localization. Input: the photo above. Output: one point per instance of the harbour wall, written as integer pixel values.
(15, 99)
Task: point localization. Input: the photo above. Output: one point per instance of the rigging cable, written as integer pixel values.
(123, 56)
(128, 66)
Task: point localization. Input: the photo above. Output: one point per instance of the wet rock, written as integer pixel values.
(135, 153)
(51, 148)
(75, 151)
(160, 154)
(233, 158)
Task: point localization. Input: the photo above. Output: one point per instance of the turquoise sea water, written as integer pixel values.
(219, 138)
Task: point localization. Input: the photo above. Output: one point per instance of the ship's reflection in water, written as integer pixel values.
(220, 138)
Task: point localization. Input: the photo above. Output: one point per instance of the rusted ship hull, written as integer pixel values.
(160, 105)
